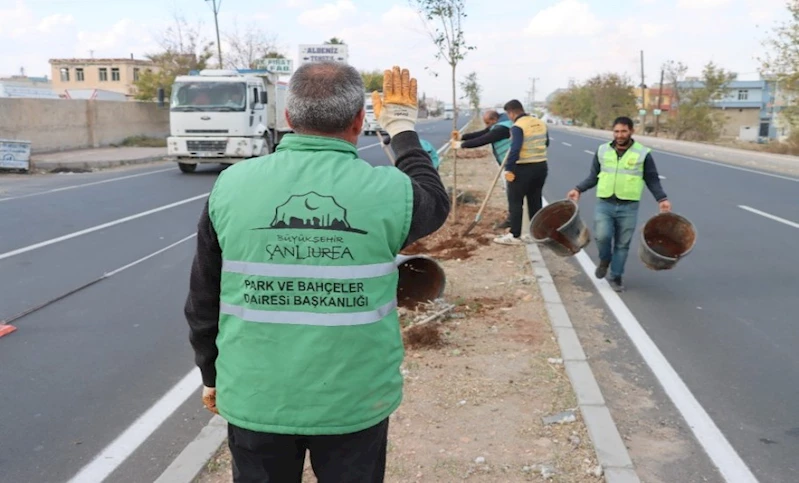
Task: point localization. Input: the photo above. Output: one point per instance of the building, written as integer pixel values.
(650, 99)
(748, 107)
(115, 75)
(23, 86)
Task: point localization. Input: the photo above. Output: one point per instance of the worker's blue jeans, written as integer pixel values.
(614, 225)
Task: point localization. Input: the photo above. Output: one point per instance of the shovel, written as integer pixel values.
(488, 195)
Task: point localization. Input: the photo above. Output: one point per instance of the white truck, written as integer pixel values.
(225, 116)
(370, 124)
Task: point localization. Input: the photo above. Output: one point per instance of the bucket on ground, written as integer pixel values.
(421, 280)
(559, 227)
(665, 239)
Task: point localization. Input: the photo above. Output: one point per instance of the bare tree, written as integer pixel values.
(183, 49)
(248, 46)
(443, 20)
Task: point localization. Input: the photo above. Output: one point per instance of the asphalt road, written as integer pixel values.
(726, 316)
(79, 372)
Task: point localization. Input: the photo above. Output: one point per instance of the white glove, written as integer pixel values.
(398, 109)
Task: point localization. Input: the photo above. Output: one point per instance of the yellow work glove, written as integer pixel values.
(509, 176)
(397, 110)
(209, 399)
(456, 144)
(456, 135)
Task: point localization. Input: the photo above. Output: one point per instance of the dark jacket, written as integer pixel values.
(486, 136)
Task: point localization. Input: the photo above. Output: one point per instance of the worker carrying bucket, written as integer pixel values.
(665, 239)
(620, 170)
(559, 227)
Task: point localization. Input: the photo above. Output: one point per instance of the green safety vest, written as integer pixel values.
(622, 177)
(502, 146)
(309, 338)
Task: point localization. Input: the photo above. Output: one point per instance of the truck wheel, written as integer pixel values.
(187, 167)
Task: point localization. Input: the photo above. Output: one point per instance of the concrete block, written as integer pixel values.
(569, 344)
(585, 385)
(610, 448)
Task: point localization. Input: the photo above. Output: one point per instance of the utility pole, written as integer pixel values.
(660, 100)
(216, 6)
(532, 92)
(643, 95)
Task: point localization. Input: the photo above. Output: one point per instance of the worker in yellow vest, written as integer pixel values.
(620, 170)
(525, 170)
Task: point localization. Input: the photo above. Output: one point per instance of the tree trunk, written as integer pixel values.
(454, 154)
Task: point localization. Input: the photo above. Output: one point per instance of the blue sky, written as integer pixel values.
(516, 40)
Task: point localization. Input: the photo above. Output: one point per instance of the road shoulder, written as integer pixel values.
(661, 445)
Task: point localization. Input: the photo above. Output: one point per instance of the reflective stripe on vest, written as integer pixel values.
(309, 271)
(534, 147)
(308, 318)
(622, 177)
(503, 145)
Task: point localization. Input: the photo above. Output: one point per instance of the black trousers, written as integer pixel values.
(279, 458)
(528, 184)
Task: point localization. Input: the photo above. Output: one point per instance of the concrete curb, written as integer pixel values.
(91, 165)
(608, 444)
(192, 460)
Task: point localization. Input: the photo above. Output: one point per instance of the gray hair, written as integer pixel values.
(324, 97)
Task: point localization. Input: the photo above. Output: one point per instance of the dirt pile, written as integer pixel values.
(448, 243)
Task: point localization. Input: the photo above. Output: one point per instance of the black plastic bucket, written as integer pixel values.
(665, 239)
(421, 280)
(559, 227)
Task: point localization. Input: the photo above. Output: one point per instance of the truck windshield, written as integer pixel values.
(208, 96)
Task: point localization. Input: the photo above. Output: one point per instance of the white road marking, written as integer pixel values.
(113, 455)
(369, 146)
(93, 183)
(661, 176)
(566, 144)
(119, 221)
(147, 257)
(707, 161)
(720, 451)
(769, 216)
(128, 441)
(739, 168)
(588, 152)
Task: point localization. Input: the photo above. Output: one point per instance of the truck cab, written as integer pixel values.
(225, 116)
(370, 124)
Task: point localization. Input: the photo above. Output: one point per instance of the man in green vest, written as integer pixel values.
(293, 289)
(497, 134)
(620, 170)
